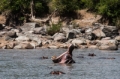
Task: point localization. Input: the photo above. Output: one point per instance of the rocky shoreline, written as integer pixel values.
(34, 36)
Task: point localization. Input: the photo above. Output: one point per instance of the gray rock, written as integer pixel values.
(1, 27)
(2, 33)
(117, 38)
(90, 36)
(108, 47)
(39, 30)
(29, 26)
(93, 47)
(24, 45)
(99, 33)
(53, 47)
(89, 30)
(106, 38)
(10, 45)
(7, 38)
(108, 44)
(60, 37)
(110, 31)
(22, 38)
(12, 34)
(79, 42)
(70, 35)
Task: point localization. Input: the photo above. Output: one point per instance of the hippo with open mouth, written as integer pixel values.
(66, 57)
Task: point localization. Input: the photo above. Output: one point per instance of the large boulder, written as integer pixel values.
(2, 33)
(24, 45)
(79, 42)
(12, 34)
(29, 26)
(117, 38)
(60, 37)
(40, 30)
(22, 38)
(99, 33)
(70, 35)
(10, 45)
(110, 31)
(108, 47)
(107, 44)
(90, 36)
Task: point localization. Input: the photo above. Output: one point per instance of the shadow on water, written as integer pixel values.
(37, 64)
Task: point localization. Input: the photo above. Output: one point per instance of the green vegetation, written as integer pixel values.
(109, 9)
(54, 28)
(64, 6)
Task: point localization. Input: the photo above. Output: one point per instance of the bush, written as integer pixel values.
(54, 29)
(64, 6)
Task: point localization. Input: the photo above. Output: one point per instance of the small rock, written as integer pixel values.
(91, 54)
(92, 47)
(56, 72)
(43, 57)
(53, 47)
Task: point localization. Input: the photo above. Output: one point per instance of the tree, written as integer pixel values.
(23, 9)
(64, 6)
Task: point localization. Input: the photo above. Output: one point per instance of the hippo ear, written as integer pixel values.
(75, 45)
(53, 57)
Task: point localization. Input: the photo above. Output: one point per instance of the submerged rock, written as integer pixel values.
(56, 72)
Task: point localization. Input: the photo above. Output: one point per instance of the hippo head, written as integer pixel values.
(71, 48)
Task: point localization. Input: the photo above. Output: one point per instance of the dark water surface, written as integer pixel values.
(27, 64)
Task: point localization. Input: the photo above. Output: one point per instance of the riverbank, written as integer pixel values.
(83, 33)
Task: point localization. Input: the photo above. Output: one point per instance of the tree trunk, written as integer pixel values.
(32, 9)
(46, 20)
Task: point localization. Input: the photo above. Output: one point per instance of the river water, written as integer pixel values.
(27, 64)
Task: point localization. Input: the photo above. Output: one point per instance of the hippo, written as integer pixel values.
(66, 57)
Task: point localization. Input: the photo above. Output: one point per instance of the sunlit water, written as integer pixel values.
(27, 64)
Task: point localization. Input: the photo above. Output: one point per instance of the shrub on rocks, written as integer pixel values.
(54, 29)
